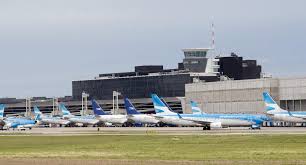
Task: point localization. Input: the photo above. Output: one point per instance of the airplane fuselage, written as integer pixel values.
(54, 120)
(91, 120)
(114, 119)
(143, 118)
(295, 117)
(227, 120)
(19, 123)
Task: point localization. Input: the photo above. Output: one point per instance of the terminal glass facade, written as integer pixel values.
(133, 87)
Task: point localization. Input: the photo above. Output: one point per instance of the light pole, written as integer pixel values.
(28, 107)
(55, 106)
(84, 103)
(115, 99)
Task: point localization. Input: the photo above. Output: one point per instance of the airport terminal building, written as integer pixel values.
(145, 80)
(245, 96)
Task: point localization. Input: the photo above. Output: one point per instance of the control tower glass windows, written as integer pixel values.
(195, 54)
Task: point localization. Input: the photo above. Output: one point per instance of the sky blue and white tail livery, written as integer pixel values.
(271, 105)
(64, 110)
(2, 107)
(160, 107)
(195, 108)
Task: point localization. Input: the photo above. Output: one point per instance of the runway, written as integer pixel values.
(152, 131)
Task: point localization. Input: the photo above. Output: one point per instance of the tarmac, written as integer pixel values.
(74, 131)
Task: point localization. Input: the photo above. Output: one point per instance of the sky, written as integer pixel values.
(45, 44)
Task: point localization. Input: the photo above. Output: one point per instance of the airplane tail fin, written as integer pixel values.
(37, 117)
(37, 112)
(64, 110)
(271, 105)
(129, 107)
(2, 107)
(97, 108)
(195, 108)
(167, 105)
(160, 107)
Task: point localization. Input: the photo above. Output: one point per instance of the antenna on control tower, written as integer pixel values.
(212, 36)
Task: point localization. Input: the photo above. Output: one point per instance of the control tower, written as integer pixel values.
(196, 61)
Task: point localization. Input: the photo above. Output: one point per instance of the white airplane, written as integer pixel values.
(279, 114)
(137, 117)
(85, 120)
(102, 116)
(208, 121)
(43, 119)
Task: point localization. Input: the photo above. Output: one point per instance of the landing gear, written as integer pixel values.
(161, 124)
(206, 127)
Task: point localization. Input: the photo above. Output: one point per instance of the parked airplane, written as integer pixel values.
(208, 121)
(15, 122)
(137, 117)
(106, 118)
(279, 114)
(86, 120)
(164, 114)
(252, 120)
(44, 119)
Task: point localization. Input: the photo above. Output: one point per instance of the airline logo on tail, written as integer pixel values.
(271, 105)
(37, 111)
(195, 108)
(64, 110)
(2, 107)
(129, 107)
(159, 106)
(96, 108)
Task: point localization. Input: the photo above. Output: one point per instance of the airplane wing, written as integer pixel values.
(199, 121)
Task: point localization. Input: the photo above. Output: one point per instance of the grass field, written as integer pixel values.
(229, 148)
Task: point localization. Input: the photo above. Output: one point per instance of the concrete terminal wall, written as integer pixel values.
(245, 96)
(292, 93)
